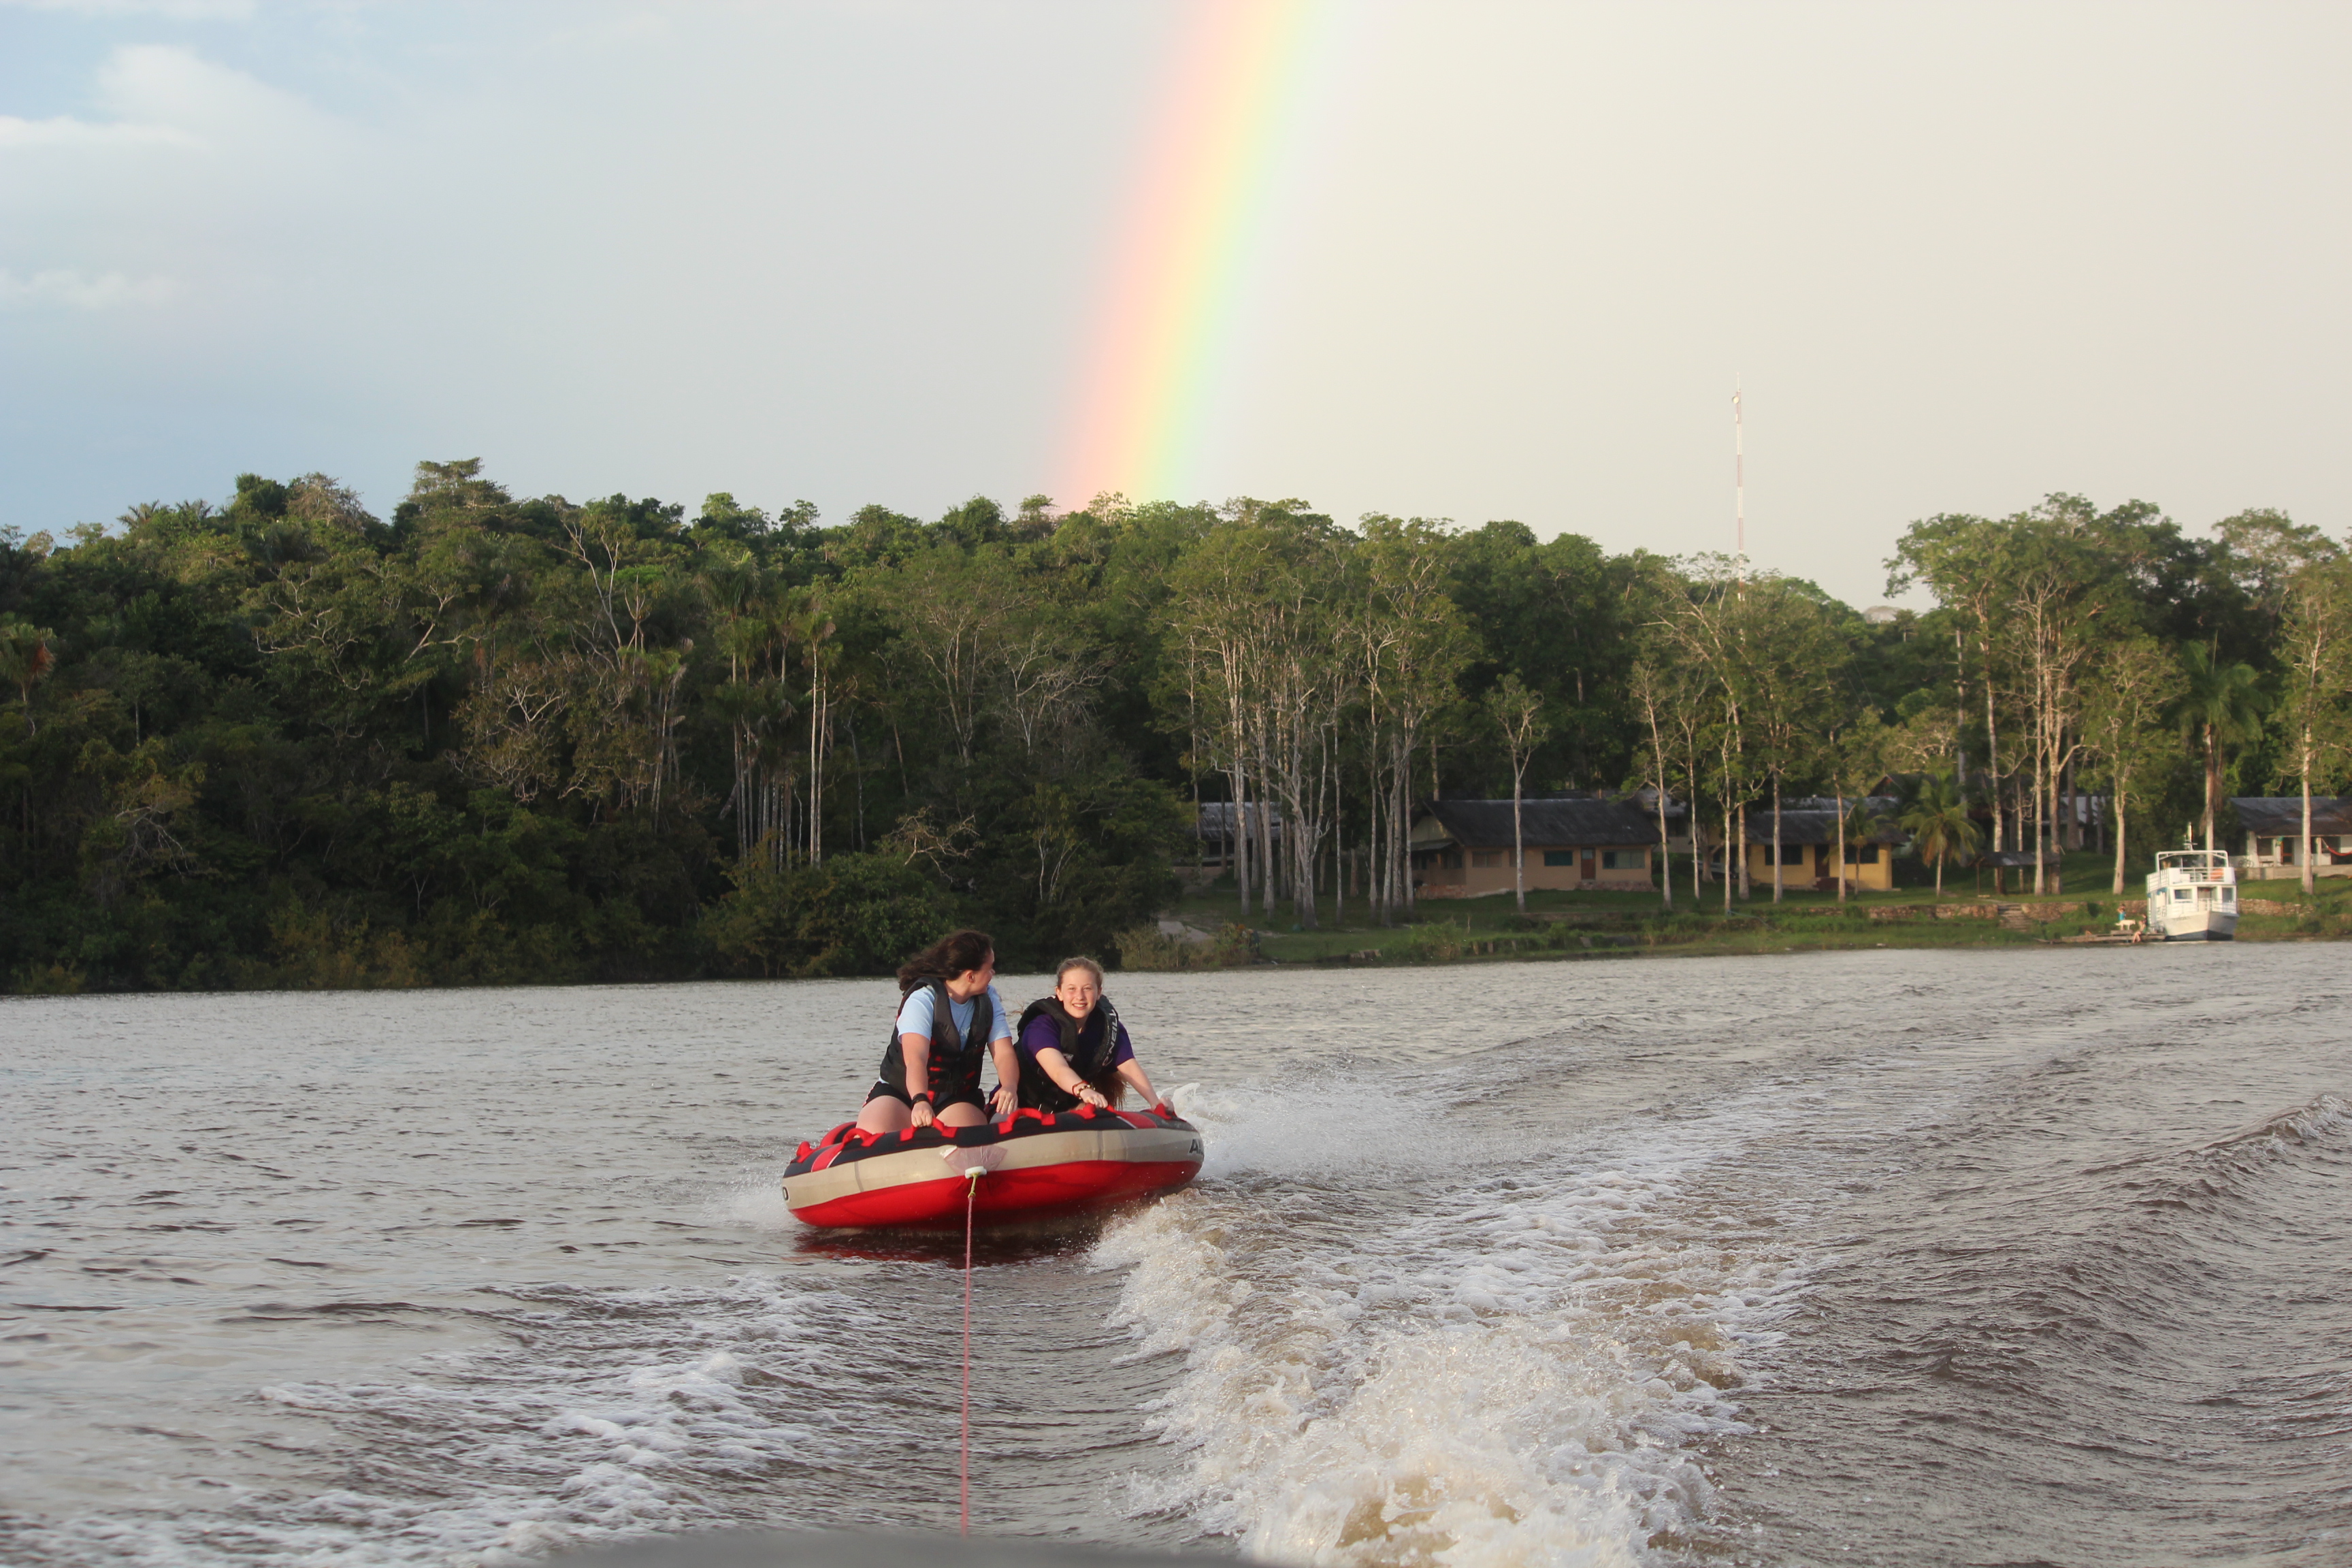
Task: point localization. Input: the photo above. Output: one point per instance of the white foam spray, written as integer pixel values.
(1524, 1370)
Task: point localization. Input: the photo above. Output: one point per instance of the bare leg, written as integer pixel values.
(884, 1114)
(962, 1113)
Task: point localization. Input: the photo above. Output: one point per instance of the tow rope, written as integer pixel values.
(963, 1472)
(970, 1164)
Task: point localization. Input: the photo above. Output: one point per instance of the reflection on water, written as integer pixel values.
(1869, 1256)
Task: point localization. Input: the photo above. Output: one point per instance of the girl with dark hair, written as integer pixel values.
(1074, 1049)
(950, 1019)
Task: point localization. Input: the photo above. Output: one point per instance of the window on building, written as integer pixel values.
(1559, 856)
(1624, 859)
(1861, 854)
(1487, 859)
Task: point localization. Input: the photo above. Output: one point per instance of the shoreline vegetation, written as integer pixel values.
(1560, 926)
(278, 742)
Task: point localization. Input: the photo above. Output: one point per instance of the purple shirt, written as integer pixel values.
(1045, 1034)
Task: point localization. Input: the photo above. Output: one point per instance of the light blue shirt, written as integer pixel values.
(916, 1016)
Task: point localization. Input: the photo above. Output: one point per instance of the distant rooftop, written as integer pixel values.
(1487, 824)
(2280, 816)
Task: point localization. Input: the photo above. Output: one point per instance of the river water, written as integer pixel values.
(1887, 1257)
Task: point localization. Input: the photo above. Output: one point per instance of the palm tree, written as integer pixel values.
(1935, 815)
(2223, 706)
(1861, 824)
(27, 654)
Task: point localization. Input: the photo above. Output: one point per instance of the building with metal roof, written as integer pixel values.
(1462, 848)
(2273, 828)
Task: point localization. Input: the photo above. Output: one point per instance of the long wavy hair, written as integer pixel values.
(952, 955)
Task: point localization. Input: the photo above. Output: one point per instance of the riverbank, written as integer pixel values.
(1562, 925)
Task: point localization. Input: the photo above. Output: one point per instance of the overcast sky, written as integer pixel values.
(1958, 256)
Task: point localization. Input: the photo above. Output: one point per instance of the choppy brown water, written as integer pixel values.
(1891, 1256)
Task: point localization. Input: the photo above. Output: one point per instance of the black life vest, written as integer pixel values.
(1088, 1051)
(954, 1064)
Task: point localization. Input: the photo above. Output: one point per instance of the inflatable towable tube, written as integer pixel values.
(1037, 1162)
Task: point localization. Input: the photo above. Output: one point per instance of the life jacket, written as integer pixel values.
(1087, 1051)
(953, 1064)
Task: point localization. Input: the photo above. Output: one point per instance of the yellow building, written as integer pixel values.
(1462, 848)
(1808, 847)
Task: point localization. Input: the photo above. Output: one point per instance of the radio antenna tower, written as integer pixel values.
(1738, 484)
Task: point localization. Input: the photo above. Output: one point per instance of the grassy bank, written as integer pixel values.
(1594, 925)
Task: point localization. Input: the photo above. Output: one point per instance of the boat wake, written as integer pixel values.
(1528, 1367)
(613, 1414)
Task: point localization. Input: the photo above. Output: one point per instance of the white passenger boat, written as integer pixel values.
(2193, 896)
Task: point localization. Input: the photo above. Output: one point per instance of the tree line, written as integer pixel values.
(283, 741)
(2084, 672)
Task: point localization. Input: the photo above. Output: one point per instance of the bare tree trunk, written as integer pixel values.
(1401, 809)
(1747, 886)
(2118, 799)
(1665, 847)
(2071, 819)
(819, 722)
(2061, 805)
(2303, 846)
(1779, 854)
(1959, 710)
(2041, 786)
(1306, 829)
(1383, 793)
(1274, 870)
(1269, 870)
(740, 801)
(1192, 724)
(1240, 787)
(1518, 841)
(1699, 830)
(1992, 756)
(2212, 781)
(1339, 839)
(1405, 823)
(1729, 877)
(2115, 809)
(1840, 797)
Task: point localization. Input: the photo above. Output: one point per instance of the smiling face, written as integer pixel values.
(1077, 991)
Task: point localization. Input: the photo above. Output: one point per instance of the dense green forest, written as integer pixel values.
(283, 741)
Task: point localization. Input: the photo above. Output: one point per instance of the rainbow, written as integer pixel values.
(1167, 329)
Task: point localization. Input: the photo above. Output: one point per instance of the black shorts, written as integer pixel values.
(884, 1089)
